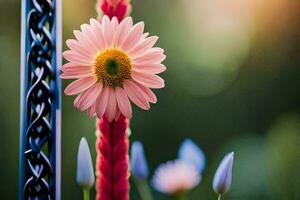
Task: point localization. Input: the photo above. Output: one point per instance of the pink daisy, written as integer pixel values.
(113, 62)
(175, 177)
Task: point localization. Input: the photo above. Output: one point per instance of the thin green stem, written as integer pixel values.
(144, 189)
(219, 197)
(86, 194)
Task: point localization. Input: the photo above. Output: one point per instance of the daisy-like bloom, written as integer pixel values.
(113, 62)
(176, 177)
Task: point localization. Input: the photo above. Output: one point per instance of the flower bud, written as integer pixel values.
(139, 167)
(193, 154)
(223, 175)
(113, 2)
(114, 8)
(85, 171)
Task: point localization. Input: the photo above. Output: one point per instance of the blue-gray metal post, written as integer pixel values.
(40, 138)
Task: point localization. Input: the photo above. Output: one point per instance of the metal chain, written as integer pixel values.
(39, 174)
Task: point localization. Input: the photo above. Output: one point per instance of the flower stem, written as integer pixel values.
(219, 197)
(86, 194)
(143, 189)
(112, 159)
(181, 196)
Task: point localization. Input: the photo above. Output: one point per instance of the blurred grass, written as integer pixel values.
(233, 70)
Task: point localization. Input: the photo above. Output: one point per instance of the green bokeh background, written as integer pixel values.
(232, 84)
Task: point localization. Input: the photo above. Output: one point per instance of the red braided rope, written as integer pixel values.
(112, 160)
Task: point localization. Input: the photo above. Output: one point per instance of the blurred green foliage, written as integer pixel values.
(233, 71)
(284, 156)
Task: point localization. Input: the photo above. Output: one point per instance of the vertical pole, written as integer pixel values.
(40, 139)
(58, 5)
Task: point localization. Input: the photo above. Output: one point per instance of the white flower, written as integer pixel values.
(85, 171)
(175, 176)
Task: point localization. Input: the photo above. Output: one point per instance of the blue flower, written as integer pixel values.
(85, 171)
(223, 175)
(139, 167)
(193, 154)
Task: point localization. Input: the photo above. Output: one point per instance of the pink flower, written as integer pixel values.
(113, 62)
(175, 177)
(114, 8)
(113, 2)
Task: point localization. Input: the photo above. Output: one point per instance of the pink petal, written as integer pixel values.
(69, 66)
(123, 102)
(76, 72)
(72, 67)
(154, 68)
(147, 93)
(145, 35)
(74, 75)
(136, 94)
(77, 58)
(92, 110)
(143, 46)
(114, 24)
(101, 102)
(111, 105)
(134, 36)
(75, 46)
(85, 42)
(152, 55)
(118, 113)
(148, 80)
(100, 42)
(80, 85)
(89, 97)
(108, 30)
(122, 31)
(76, 100)
(89, 35)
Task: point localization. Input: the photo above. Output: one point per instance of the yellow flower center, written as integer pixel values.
(112, 67)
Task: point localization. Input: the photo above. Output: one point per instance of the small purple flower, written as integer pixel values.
(139, 167)
(193, 154)
(223, 175)
(85, 171)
